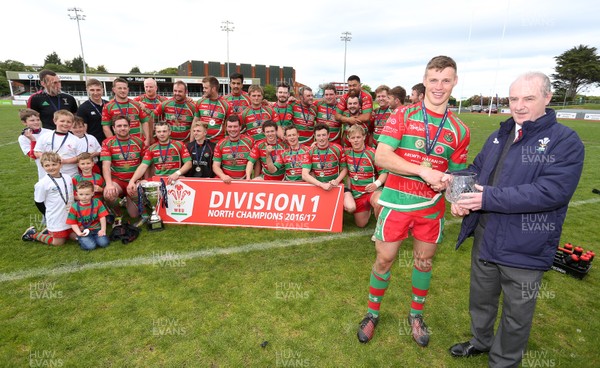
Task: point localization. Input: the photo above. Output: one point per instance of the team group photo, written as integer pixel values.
(229, 215)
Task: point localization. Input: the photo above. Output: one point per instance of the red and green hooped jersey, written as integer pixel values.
(365, 99)
(166, 158)
(259, 152)
(285, 114)
(304, 119)
(325, 164)
(252, 119)
(238, 103)
(378, 120)
(233, 156)
(361, 169)
(291, 161)
(95, 179)
(150, 103)
(405, 132)
(326, 115)
(132, 109)
(83, 216)
(123, 158)
(179, 116)
(214, 113)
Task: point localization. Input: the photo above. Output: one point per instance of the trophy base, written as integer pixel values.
(155, 226)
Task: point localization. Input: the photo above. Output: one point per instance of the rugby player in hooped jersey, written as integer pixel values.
(167, 158)
(270, 147)
(121, 155)
(253, 116)
(326, 109)
(364, 178)
(292, 158)
(231, 153)
(325, 164)
(418, 144)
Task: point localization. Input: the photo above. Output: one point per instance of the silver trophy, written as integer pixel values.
(152, 193)
(461, 183)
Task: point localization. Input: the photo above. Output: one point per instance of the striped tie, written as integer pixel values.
(519, 135)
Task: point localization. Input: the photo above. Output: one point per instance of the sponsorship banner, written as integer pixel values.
(566, 115)
(261, 204)
(591, 117)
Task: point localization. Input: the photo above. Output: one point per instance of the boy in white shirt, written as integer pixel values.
(63, 142)
(53, 195)
(28, 138)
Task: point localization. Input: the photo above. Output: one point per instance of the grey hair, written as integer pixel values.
(546, 84)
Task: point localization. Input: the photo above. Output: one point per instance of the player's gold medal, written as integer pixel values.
(426, 163)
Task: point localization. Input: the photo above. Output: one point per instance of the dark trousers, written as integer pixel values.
(519, 288)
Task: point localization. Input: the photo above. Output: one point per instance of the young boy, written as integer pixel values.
(201, 150)
(86, 167)
(88, 218)
(61, 141)
(28, 138)
(91, 143)
(52, 195)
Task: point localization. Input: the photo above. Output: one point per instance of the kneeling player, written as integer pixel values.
(365, 178)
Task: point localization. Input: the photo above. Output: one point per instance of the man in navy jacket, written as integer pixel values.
(528, 171)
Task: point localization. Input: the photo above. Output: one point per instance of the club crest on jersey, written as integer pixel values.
(439, 149)
(420, 143)
(448, 137)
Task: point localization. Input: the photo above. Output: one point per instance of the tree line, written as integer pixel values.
(577, 70)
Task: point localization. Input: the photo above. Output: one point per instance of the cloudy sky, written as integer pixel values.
(492, 41)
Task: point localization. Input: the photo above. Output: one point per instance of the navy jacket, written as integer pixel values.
(527, 206)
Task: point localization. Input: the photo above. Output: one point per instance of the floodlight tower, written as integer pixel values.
(346, 37)
(79, 17)
(227, 27)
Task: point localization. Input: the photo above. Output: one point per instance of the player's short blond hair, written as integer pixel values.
(63, 112)
(50, 157)
(354, 129)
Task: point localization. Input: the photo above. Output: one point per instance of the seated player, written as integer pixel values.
(167, 157)
(270, 147)
(292, 158)
(232, 152)
(121, 155)
(325, 164)
(364, 178)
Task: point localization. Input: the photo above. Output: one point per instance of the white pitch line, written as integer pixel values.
(154, 259)
(9, 143)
